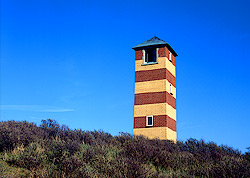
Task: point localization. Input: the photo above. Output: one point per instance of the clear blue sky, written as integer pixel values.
(72, 61)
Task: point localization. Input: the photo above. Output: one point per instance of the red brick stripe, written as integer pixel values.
(156, 74)
(155, 97)
(138, 55)
(173, 59)
(159, 121)
(164, 52)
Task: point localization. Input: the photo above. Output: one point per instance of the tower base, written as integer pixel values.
(162, 133)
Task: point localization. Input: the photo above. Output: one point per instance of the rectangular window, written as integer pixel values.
(150, 56)
(149, 121)
(170, 56)
(171, 89)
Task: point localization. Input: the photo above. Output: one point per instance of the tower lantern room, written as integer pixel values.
(155, 90)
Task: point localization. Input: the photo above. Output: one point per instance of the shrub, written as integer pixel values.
(51, 150)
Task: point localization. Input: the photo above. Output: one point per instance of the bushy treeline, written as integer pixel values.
(51, 150)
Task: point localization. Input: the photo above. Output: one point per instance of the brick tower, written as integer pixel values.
(155, 90)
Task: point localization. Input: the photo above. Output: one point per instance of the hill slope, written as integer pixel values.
(51, 150)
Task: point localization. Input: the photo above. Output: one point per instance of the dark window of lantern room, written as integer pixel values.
(150, 55)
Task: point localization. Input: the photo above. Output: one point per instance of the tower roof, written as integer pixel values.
(154, 42)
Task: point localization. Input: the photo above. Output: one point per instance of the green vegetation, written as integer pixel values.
(51, 150)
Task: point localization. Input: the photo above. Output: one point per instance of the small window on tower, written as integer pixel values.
(171, 89)
(149, 121)
(150, 55)
(170, 56)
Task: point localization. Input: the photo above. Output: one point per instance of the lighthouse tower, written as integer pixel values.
(155, 90)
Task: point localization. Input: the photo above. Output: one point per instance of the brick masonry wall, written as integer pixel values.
(155, 97)
(164, 52)
(156, 74)
(138, 55)
(173, 59)
(158, 121)
(146, 101)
